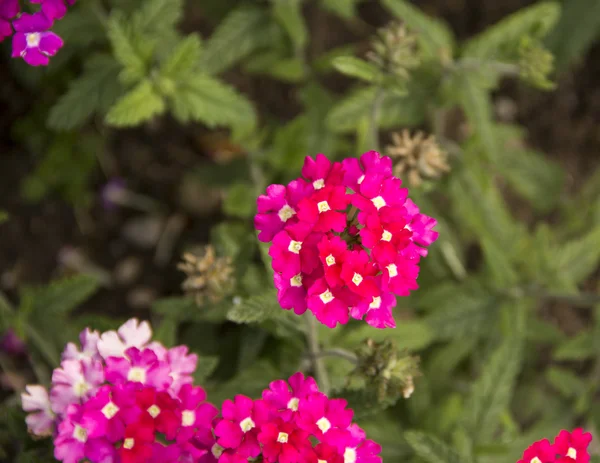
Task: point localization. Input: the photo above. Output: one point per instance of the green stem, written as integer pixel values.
(374, 118)
(340, 353)
(314, 351)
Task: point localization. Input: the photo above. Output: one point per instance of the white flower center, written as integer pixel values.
(393, 270)
(330, 260)
(293, 404)
(357, 279)
(80, 388)
(286, 213)
(326, 297)
(323, 206)
(360, 179)
(188, 417)
(386, 236)
(217, 450)
(376, 303)
(33, 39)
(321, 461)
(110, 410)
(282, 437)
(137, 375)
(247, 424)
(535, 460)
(296, 281)
(295, 246)
(324, 425)
(572, 453)
(318, 184)
(350, 455)
(378, 202)
(153, 411)
(128, 443)
(79, 433)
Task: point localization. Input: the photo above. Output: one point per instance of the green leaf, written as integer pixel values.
(184, 58)
(356, 67)
(63, 296)
(535, 20)
(580, 347)
(256, 309)
(492, 392)
(431, 449)
(206, 366)
(240, 200)
(578, 258)
(157, 16)
(128, 49)
(345, 9)
(411, 335)
(138, 105)
(3, 216)
(166, 332)
(245, 30)
(568, 384)
(205, 99)
(289, 15)
(435, 37)
(94, 91)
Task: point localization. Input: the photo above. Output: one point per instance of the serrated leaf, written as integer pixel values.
(183, 59)
(256, 309)
(244, 30)
(158, 15)
(502, 272)
(205, 99)
(435, 37)
(125, 42)
(580, 347)
(409, 334)
(289, 15)
(578, 258)
(138, 105)
(356, 67)
(568, 384)
(535, 20)
(492, 392)
(430, 448)
(63, 296)
(94, 91)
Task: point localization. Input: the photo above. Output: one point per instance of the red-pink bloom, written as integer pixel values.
(160, 407)
(377, 193)
(573, 445)
(378, 310)
(286, 398)
(138, 441)
(371, 163)
(168, 454)
(539, 452)
(358, 272)
(400, 276)
(195, 415)
(386, 234)
(294, 250)
(332, 252)
(325, 209)
(330, 306)
(291, 292)
(322, 172)
(283, 442)
(358, 449)
(325, 418)
(323, 453)
(278, 208)
(140, 367)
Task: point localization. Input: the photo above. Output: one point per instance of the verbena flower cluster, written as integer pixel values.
(32, 38)
(345, 239)
(114, 395)
(292, 423)
(568, 447)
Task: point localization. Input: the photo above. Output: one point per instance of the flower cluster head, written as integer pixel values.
(292, 423)
(345, 239)
(115, 394)
(568, 447)
(32, 38)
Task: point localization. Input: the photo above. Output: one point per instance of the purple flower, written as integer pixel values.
(112, 193)
(32, 41)
(53, 9)
(12, 344)
(8, 10)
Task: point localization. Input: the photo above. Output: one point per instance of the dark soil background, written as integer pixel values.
(44, 240)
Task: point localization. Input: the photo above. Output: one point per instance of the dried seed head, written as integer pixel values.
(208, 276)
(394, 50)
(417, 157)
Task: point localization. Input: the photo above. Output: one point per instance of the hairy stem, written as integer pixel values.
(340, 353)
(314, 351)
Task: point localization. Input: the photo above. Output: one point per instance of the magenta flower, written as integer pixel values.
(89, 347)
(573, 445)
(12, 344)
(377, 194)
(358, 272)
(421, 227)
(160, 408)
(330, 306)
(131, 334)
(325, 210)
(320, 172)
(32, 41)
(291, 292)
(333, 252)
(378, 310)
(283, 442)
(286, 398)
(371, 163)
(400, 276)
(52, 9)
(326, 419)
(294, 250)
(195, 414)
(40, 421)
(541, 451)
(386, 234)
(182, 365)
(278, 208)
(358, 449)
(8, 10)
(139, 367)
(74, 382)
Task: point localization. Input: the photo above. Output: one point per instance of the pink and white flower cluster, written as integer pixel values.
(32, 38)
(292, 423)
(113, 395)
(345, 239)
(568, 447)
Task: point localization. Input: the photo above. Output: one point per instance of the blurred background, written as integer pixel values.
(156, 126)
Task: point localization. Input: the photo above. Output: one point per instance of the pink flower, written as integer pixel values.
(89, 343)
(325, 418)
(371, 163)
(41, 421)
(239, 427)
(182, 365)
(325, 209)
(32, 41)
(283, 442)
(137, 444)
(8, 10)
(168, 454)
(52, 9)
(333, 252)
(358, 272)
(73, 443)
(110, 411)
(160, 407)
(330, 306)
(140, 367)
(386, 234)
(542, 450)
(573, 445)
(377, 193)
(294, 250)
(323, 452)
(400, 276)
(287, 401)
(131, 334)
(321, 172)
(291, 292)
(378, 310)
(358, 449)
(195, 414)
(278, 208)
(74, 382)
